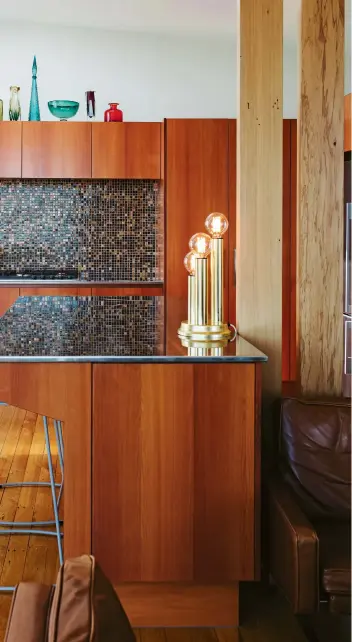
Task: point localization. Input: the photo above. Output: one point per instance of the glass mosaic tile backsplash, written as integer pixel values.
(108, 230)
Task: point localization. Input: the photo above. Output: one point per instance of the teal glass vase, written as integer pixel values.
(34, 112)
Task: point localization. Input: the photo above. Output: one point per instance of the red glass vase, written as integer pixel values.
(113, 114)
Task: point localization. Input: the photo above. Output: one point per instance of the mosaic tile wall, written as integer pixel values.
(81, 326)
(108, 230)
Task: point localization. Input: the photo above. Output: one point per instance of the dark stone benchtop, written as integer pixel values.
(101, 329)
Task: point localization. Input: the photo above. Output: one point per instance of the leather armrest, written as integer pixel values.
(294, 549)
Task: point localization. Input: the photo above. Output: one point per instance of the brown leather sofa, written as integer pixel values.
(309, 506)
(82, 606)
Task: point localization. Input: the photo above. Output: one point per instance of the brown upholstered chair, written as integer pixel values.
(82, 606)
(309, 504)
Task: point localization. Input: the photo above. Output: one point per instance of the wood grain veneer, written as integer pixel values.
(128, 290)
(259, 184)
(55, 291)
(174, 471)
(143, 471)
(10, 149)
(126, 150)
(286, 251)
(232, 219)
(8, 296)
(224, 476)
(197, 183)
(293, 255)
(56, 150)
(320, 196)
(61, 391)
(348, 126)
(180, 605)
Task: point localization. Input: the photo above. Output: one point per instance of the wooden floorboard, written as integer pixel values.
(267, 617)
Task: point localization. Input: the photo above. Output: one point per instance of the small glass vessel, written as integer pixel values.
(15, 105)
(90, 103)
(113, 114)
(34, 112)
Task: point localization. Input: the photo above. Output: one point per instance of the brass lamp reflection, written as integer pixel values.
(199, 327)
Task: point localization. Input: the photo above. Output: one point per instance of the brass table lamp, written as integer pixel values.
(200, 327)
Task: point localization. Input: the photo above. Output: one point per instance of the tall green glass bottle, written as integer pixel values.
(34, 112)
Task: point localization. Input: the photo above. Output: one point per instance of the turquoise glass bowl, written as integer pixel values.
(63, 109)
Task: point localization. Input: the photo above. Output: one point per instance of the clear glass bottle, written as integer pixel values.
(15, 105)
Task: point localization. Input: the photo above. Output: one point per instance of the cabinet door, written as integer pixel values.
(8, 296)
(56, 150)
(197, 180)
(143, 471)
(126, 150)
(10, 150)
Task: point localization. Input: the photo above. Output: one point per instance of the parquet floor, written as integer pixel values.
(267, 618)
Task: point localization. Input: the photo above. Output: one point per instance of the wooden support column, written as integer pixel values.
(320, 197)
(259, 194)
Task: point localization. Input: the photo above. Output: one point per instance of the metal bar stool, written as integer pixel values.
(30, 528)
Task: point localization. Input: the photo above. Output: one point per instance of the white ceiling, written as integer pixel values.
(195, 16)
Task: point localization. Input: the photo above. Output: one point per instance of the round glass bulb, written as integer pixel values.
(200, 244)
(190, 263)
(216, 224)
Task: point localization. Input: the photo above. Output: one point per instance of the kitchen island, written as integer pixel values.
(162, 449)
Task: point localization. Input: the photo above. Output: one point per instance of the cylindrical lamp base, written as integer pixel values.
(191, 299)
(201, 276)
(217, 282)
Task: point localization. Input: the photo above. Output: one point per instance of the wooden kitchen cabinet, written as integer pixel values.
(10, 149)
(166, 483)
(126, 150)
(197, 183)
(56, 150)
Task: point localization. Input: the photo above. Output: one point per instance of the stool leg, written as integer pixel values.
(53, 492)
(58, 435)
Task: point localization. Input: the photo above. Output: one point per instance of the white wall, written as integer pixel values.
(152, 76)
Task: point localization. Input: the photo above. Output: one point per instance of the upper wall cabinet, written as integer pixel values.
(198, 181)
(56, 150)
(10, 150)
(126, 150)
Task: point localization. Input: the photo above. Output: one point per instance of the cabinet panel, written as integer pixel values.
(348, 126)
(126, 150)
(143, 471)
(197, 183)
(56, 150)
(232, 219)
(10, 149)
(8, 296)
(128, 291)
(55, 291)
(225, 494)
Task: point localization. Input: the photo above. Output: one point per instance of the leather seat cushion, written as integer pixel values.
(315, 455)
(335, 556)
